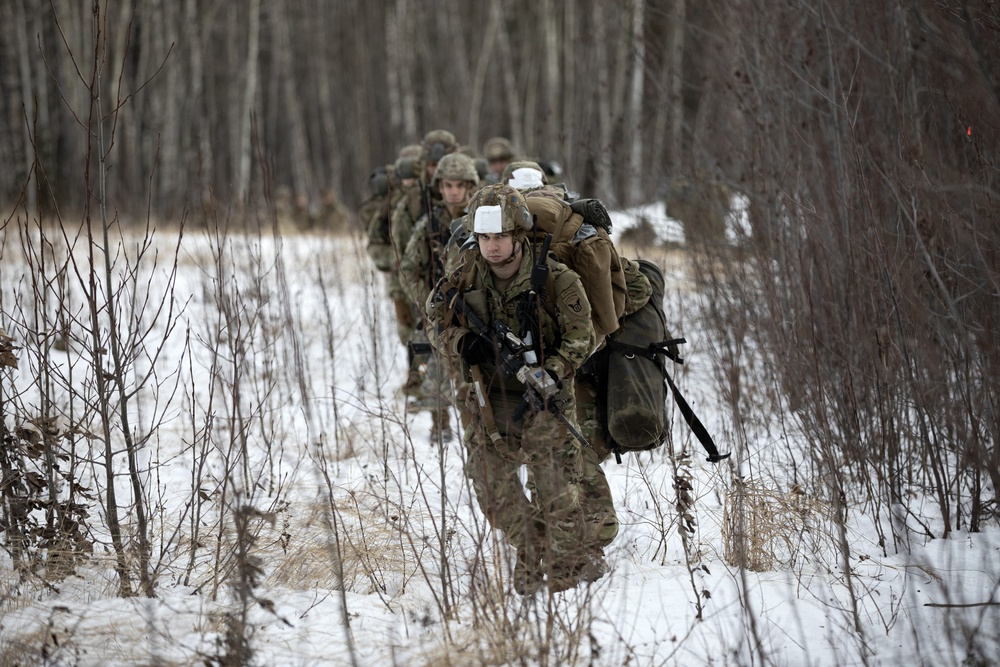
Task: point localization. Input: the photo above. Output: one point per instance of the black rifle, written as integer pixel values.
(511, 350)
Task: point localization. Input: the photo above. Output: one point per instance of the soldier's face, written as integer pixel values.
(497, 165)
(454, 192)
(496, 248)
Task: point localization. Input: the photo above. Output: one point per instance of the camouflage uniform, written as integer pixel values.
(421, 267)
(390, 185)
(551, 530)
(499, 152)
(417, 201)
(374, 213)
(529, 176)
(422, 264)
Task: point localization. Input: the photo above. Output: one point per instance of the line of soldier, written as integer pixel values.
(443, 227)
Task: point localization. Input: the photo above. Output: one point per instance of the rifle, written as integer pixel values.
(517, 359)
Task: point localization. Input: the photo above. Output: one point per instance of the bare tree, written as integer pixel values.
(482, 68)
(633, 122)
(675, 101)
(242, 149)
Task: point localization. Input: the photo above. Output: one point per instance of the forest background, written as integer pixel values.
(862, 305)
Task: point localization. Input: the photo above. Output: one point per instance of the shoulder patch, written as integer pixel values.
(571, 297)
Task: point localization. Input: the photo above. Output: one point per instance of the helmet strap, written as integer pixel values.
(518, 243)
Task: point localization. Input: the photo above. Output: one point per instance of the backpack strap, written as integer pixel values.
(668, 348)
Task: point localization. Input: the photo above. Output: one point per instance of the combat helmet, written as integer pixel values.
(407, 165)
(498, 148)
(456, 167)
(498, 209)
(437, 144)
(524, 175)
(410, 150)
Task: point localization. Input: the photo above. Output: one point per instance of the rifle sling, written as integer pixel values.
(485, 409)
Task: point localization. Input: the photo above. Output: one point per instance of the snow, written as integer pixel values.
(334, 464)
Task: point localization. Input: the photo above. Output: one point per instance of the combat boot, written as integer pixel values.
(528, 575)
(413, 387)
(584, 569)
(440, 426)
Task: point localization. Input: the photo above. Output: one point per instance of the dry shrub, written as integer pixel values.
(25, 649)
(765, 529)
(370, 543)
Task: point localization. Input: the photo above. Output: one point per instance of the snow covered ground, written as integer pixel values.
(371, 550)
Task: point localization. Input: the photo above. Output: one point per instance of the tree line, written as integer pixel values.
(213, 101)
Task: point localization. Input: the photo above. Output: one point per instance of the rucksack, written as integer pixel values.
(587, 249)
(631, 393)
(632, 379)
(375, 212)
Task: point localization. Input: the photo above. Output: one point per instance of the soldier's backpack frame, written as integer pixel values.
(633, 380)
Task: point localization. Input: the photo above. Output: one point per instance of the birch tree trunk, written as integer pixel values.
(406, 53)
(569, 88)
(530, 78)
(674, 86)
(602, 152)
(633, 126)
(551, 85)
(242, 154)
(393, 73)
(510, 87)
(28, 99)
(482, 64)
(199, 155)
(169, 98)
(332, 155)
(299, 154)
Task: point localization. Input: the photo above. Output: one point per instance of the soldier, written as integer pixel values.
(555, 544)
(422, 266)
(499, 153)
(456, 179)
(528, 177)
(418, 201)
(390, 185)
(525, 175)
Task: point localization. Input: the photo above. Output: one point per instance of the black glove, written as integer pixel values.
(475, 349)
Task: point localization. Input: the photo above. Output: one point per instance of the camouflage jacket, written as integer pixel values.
(416, 202)
(567, 331)
(379, 216)
(423, 260)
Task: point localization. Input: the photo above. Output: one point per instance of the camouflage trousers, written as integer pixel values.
(570, 510)
(407, 314)
(598, 499)
(586, 413)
